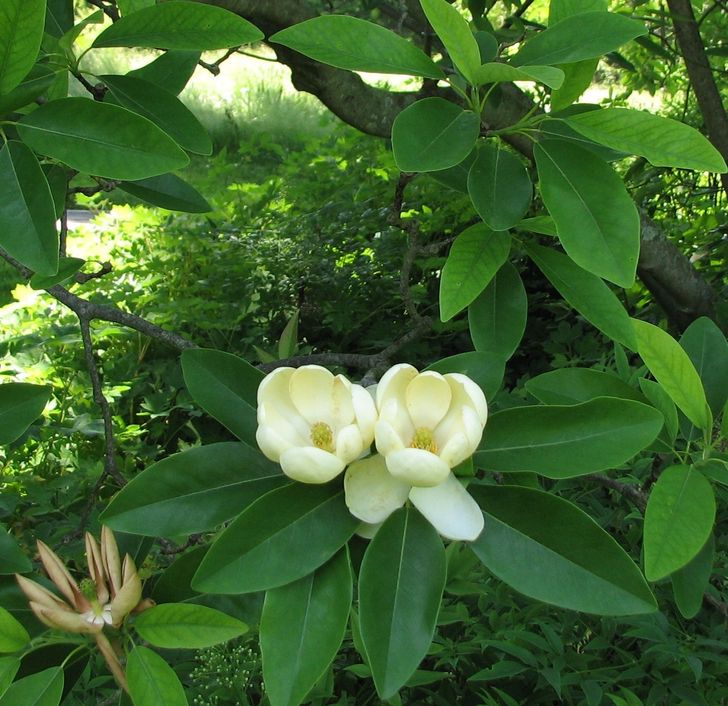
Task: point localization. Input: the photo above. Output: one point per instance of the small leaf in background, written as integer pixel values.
(499, 187)
(59, 17)
(659, 399)
(474, 258)
(301, 630)
(20, 405)
(547, 548)
(485, 369)
(707, 348)
(596, 220)
(497, 72)
(577, 385)
(487, 45)
(152, 682)
(34, 84)
(288, 342)
(678, 520)
(167, 191)
(690, 583)
(13, 559)
(455, 177)
(577, 78)
(21, 32)
(40, 689)
(433, 134)
(13, 636)
(57, 177)
(401, 581)
(170, 70)
(357, 45)
(673, 369)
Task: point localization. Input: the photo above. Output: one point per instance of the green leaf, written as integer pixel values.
(192, 491)
(544, 225)
(58, 182)
(301, 629)
(180, 25)
(561, 130)
(661, 141)
(548, 549)
(12, 558)
(455, 34)
(433, 134)
(170, 70)
(126, 7)
(596, 220)
(401, 581)
(584, 36)
(678, 520)
(690, 583)
(40, 689)
(186, 626)
(281, 537)
(672, 368)
(659, 399)
(167, 191)
(577, 78)
(496, 72)
(455, 177)
(288, 343)
(20, 405)
(707, 348)
(499, 187)
(576, 385)
(561, 9)
(101, 139)
(485, 369)
(357, 45)
(152, 681)
(27, 212)
(226, 387)
(67, 41)
(59, 17)
(497, 317)
(21, 32)
(162, 107)
(587, 293)
(67, 268)
(9, 667)
(475, 257)
(13, 636)
(568, 441)
(39, 79)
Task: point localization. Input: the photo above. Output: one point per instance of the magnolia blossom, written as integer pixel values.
(312, 422)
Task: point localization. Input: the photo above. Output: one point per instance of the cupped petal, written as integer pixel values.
(450, 509)
(388, 440)
(372, 493)
(308, 464)
(64, 619)
(311, 389)
(394, 383)
(274, 386)
(428, 398)
(286, 421)
(349, 443)
(465, 391)
(342, 405)
(460, 420)
(417, 467)
(59, 575)
(365, 412)
(96, 568)
(456, 450)
(271, 443)
(110, 558)
(40, 595)
(394, 412)
(129, 595)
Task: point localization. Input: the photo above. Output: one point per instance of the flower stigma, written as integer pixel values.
(322, 437)
(424, 440)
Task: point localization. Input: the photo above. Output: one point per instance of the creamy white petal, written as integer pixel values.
(367, 531)
(372, 493)
(274, 386)
(388, 440)
(311, 391)
(428, 398)
(342, 406)
(395, 414)
(472, 427)
(286, 421)
(456, 450)
(365, 412)
(450, 509)
(349, 443)
(271, 443)
(394, 383)
(463, 388)
(417, 467)
(310, 465)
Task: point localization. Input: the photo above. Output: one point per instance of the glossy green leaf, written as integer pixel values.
(678, 520)
(13, 636)
(170, 70)
(67, 268)
(301, 630)
(27, 212)
(21, 32)
(12, 558)
(152, 682)
(596, 220)
(568, 441)
(433, 134)
(180, 25)
(187, 626)
(40, 689)
(587, 293)
(126, 7)
(475, 257)
(455, 34)
(659, 399)
(67, 41)
(485, 369)
(9, 667)
(690, 583)
(455, 177)
(576, 385)
(226, 387)
(59, 17)
(577, 78)
(192, 491)
(101, 139)
(357, 45)
(538, 224)
(497, 317)
(288, 342)
(561, 130)
(39, 79)
(20, 405)
(561, 9)
(548, 549)
(281, 537)
(707, 348)
(167, 191)
(57, 178)
(499, 187)
(673, 369)
(401, 581)
(663, 142)
(584, 36)
(496, 72)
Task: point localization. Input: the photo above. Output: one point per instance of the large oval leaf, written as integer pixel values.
(678, 520)
(192, 491)
(401, 581)
(13, 559)
(283, 536)
(170, 70)
(152, 682)
(20, 405)
(180, 25)
(690, 583)
(21, 32)
(707, 348)
(576, 385)
(13, 636)
(40, 689)
(548, 549)
(357, 45)
(433, 134)
(301, 629)
(9, 667)
(167, 191)
(101, 139)
(568, 441)
(596, 220)
(39, 79)
(497, 72)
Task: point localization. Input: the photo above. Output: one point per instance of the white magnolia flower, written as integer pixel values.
(312, 422)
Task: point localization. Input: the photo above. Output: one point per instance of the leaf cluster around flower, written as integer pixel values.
(316, 425)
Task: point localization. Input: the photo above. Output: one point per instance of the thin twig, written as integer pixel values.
(628, 491)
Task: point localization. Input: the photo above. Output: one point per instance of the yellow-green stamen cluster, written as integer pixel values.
(88, 589)
(424, 440)
(322, 436)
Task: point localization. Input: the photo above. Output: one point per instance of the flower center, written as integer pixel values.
(424, 440)
(322, 436)
(88, 589)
